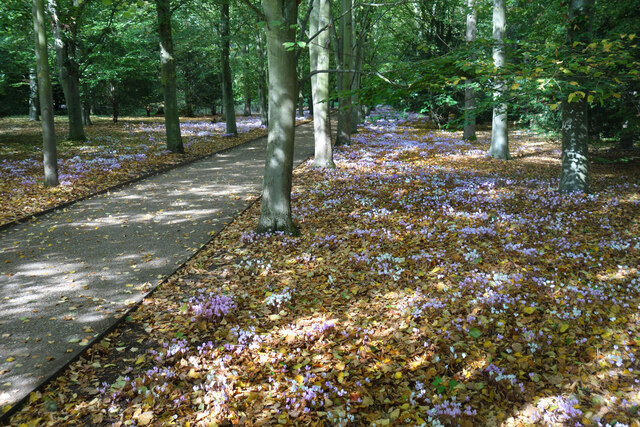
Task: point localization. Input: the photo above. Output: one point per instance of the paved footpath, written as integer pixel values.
(70, 275)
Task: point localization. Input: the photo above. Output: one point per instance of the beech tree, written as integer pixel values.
(275, 211)
(171, 116)
(227, 80)
(34, 112)
(46, 96)
(319, 60)
(67, 20)
(469, 98)
(574, 177)
(345, 59)
(499, 133)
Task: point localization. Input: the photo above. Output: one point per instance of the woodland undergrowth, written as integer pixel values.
(430, 285)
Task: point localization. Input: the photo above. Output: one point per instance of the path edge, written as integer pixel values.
(16, 407)
(123, 184)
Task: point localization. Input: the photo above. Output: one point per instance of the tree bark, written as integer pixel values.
(626, 136)
(575, 151)
(275, 212)
(319, 60)
(46, 96)
(171, 116)
(34, 115)
(86, 106)
(300, 104)
(227, 83)
(499, 132)
(344, 101)
(69, 72)
(113, 96)
(574, 176)
(469, 95)
(263, 102)
(247, 104)
(356, 111)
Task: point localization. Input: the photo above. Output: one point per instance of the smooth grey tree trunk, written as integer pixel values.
(113, 95)
(575, 151)
(469, 95)
(275, 212)
(499, 132)
(69, 73)
(262, 95)
(46, 96)
(227, 81)
(34, 115)
(300, 104)
(574, 176)
(344, 102)
(355, 86)
(263, 102)
(319, 60)
(171, 116)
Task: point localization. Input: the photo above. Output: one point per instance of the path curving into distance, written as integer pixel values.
(70, 275)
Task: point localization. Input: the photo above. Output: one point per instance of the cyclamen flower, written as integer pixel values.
(211, 305)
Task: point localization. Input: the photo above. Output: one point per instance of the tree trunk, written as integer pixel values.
(626, 136)
(499, 133)
(33, 96)
(275, 212)
(575, 151)
(69, 72)
(469, 95)
(247, 105)
(188, 101)
(300, 104)
(263, 103)
(86, 106)
(113, 96)
(262, 95)
(356, 116)
(227, 81)
(344, 101)
(46, 96)
(171, 116)
(319, 60)
(574, 176)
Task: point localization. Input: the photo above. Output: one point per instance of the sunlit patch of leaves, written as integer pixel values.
(430, 286)
(112, 154)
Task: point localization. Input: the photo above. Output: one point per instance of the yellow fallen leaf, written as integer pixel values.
(529, 310)
(10, 359)
(145, 418)
(397, 375)
(564, 327)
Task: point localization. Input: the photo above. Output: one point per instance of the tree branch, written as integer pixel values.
(370, 73)
(254, 9)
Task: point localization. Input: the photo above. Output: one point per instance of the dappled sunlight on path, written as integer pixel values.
(68, 276)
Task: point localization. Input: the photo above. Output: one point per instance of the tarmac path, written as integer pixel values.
(70, 275)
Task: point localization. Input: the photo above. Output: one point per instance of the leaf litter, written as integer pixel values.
(112, 155)
(431, 285)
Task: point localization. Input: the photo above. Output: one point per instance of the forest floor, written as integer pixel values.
(113, 154)
(430, 285)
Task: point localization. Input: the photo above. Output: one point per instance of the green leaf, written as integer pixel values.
(475, 333)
